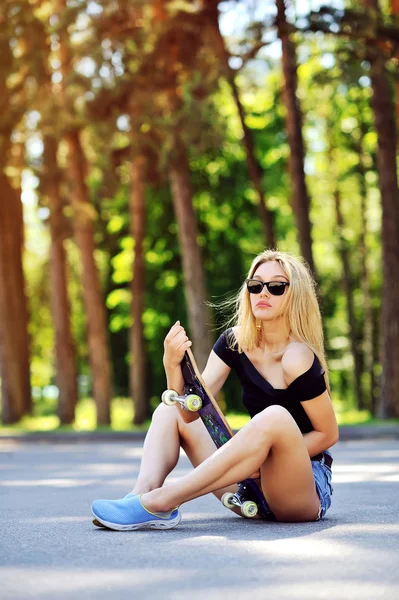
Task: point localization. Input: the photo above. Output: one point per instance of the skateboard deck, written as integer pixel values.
(219, 429)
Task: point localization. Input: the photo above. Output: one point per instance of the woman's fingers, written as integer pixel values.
(186, 344)
(173, 331)
(176, 343)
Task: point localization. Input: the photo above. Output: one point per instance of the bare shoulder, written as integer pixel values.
(296, 360)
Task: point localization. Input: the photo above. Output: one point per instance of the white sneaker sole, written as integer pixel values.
(134, 526)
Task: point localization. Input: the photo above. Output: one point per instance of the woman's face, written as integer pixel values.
(265, 306)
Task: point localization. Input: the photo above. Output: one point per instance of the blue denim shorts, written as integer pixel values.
(322, 476)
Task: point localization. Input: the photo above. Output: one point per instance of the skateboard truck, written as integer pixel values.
(248, 508)
(190, 402)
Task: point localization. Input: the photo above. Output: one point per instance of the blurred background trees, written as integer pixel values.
(149, 149)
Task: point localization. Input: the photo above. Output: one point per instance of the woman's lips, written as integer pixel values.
(263, 304)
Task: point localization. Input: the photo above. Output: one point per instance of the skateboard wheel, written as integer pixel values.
(193, 402)
(249, 509)
(227, 500)
(168, 397)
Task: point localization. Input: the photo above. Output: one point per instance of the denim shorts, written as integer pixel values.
(322, 476)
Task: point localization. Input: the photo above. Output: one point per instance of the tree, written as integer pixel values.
(181, 40)
(83, 217)
(65, 353)
(14, 341)
(300, 196)
(254, 168)
(138, 364)
(387, 170)
(193, 265)
(395, 13)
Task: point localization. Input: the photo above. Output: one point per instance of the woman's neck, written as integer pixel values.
(275, 336)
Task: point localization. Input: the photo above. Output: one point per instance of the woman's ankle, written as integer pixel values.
(154, 501)
(143, 487)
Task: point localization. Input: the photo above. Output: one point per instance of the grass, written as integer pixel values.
(122, 416)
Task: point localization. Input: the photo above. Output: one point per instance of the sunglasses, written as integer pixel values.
(275, 288)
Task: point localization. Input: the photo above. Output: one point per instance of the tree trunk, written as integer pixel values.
(386, 161)
(254, 168)
(65, 352)
(395, 12)
(138, 365)
(193, 266)
(348, 287)
(14, 340)
(83, 224)
(92, 294)
(369, 356)
(300, 196)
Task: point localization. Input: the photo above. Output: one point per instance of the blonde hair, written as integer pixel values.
(300, 308)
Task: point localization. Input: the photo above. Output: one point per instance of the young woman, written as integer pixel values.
(276, 348)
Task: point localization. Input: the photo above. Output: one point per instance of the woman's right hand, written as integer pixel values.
(175, 345)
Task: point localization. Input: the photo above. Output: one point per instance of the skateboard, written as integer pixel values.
(197, 397)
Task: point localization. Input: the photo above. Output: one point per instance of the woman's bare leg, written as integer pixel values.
(167, 433)
(273, 430)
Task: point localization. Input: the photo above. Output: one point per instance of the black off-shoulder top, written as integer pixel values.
(258, 393)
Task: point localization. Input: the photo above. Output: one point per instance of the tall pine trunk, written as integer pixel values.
(349, 294)
(386, 161)
(83, 217)
(395, 12)
(300, 196)
(14, 339)
(92, 294)
(65, 351)
(370, 356)
(138, 365)
(193, 267)
(199, 318)
(254, 168)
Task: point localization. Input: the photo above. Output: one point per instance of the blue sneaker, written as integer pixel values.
(129, 514)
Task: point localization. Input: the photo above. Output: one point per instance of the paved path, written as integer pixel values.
(49, 549)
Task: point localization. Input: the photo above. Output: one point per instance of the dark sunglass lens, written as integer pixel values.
(254, 287)
(277, 289)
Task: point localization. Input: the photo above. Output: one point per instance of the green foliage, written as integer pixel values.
(127, 95)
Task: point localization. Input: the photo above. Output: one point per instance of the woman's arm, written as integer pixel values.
(215, 373)
(297, 360)
(322, 416)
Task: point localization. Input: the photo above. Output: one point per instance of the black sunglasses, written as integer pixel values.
(275, 288)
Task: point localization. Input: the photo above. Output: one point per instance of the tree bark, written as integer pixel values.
(92, 294)
(254, 168)
(83, 218)
(349, 287)
(395, 12)
(193, 268)
(14, 339)
(65, 352)
(300, 196)
(386, 161)
(370, 357)
(138, 364)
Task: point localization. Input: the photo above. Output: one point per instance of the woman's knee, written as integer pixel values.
(275, 418)
(164, 413)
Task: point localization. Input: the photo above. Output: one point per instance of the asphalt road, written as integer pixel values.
(50, 549)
